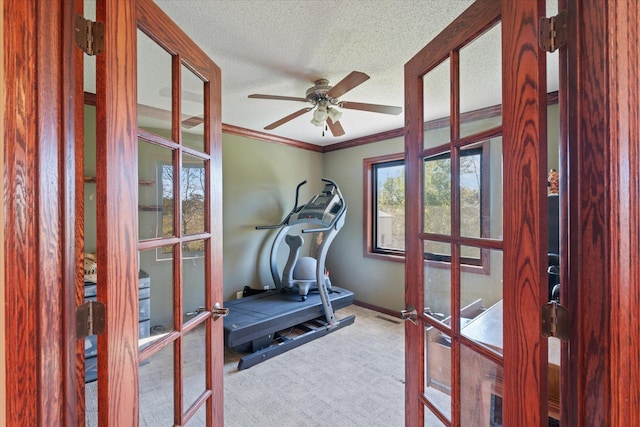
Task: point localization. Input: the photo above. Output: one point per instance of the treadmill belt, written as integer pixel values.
(256, 316)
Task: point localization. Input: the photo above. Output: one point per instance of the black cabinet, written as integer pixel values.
(144, 317)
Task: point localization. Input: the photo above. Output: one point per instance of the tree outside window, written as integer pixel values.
(384, 189)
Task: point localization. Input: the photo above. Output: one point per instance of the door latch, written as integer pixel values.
(219, 311)
(410, 314)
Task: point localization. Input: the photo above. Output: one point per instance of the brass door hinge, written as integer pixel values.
(89, 35)
(555, 320)
(553, 32)
(90, 319)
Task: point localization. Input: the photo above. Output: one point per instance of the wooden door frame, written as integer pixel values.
(39, 223)
(524, 121)
(604, 150)
(600, 123)
(602, 120)
(116, 240)
(484, 16)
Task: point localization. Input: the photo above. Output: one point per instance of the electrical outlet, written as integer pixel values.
(238, 294)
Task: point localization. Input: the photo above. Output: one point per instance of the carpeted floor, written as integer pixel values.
(351, 377)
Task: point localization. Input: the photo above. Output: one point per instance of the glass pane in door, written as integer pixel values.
(156, 389)
(481, 301)
(480, 178)
(437, 283)
(194, 366)
(437, 110)
(193, 277)
(156, 294)
(155, 191)
(437, 194)
(438, 379)
(480, 390)
(480, 104)
(431, 420)
(192, 195)
(154, 94)
(192, 105)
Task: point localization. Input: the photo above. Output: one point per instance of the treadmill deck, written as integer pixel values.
(257, 316)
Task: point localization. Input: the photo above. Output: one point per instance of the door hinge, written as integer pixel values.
(89, 35)
(553, 32)
(90, 319)
(555, 320)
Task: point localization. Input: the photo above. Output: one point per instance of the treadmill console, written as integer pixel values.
(322, 209)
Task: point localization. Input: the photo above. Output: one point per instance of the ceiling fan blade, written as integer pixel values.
(335, 127)
(161, 114)
(375, 108)
(283, 98)
(287, 118)
(192, 121)
(345, 85)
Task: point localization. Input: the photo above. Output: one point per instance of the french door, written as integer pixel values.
(476, 243)
(158, 194)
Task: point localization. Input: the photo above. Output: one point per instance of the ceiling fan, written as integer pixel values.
(324, 98)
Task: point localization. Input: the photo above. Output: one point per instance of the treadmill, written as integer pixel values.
(256, 323)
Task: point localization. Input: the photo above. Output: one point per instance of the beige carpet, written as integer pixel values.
(351, 377)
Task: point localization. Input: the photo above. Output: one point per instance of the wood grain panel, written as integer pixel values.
(414, 271)
(525, 222)
(603, 277)
(116, 156)
(587, 279)
(76, 203)
(20, 169)
(624, 207)
(38, 195)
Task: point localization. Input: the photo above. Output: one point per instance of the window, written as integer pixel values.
(384, 204)
(387, 207)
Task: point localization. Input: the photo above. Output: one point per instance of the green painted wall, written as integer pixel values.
(379, 282)
(372, 281)
(259, 183)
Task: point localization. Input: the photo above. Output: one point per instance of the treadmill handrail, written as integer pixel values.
(295, 209)
(295, 206)
(330, 226)
(269, 227)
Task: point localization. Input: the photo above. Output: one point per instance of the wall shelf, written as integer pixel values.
(150, 208)
(147, 183)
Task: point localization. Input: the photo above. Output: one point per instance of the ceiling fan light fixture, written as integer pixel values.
(319, 116)
(324, 99)
(334, 114)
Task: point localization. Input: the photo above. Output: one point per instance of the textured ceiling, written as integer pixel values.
(280, 47)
